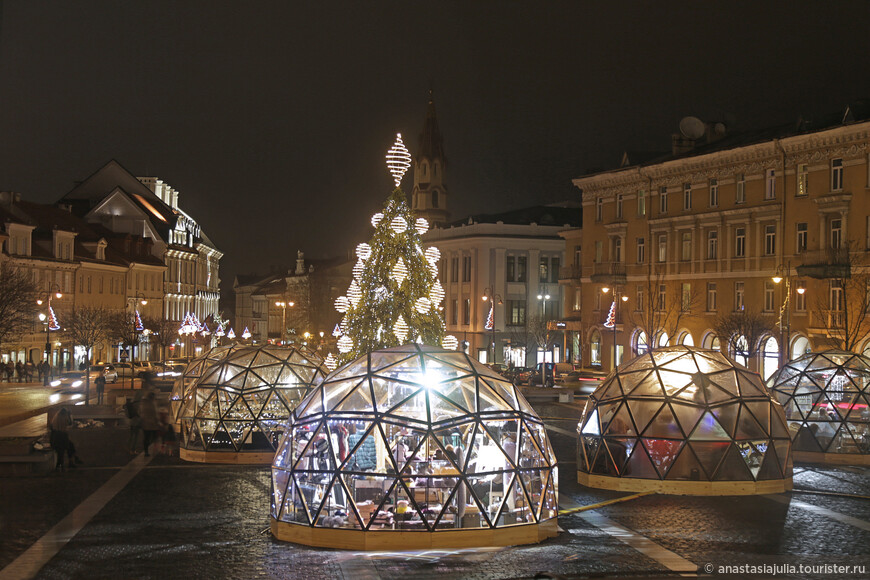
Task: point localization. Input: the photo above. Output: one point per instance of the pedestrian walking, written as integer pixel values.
(7, 374)
(150, 421)
(100, 383)
(132, 409)
(46, 372)
(60, 441)
(19, 368)
(28, 371)
(167, 432)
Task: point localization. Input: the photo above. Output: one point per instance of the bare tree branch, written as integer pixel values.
(17, 302)
(87, 327)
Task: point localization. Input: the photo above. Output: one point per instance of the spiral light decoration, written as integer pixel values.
(400, 329)
(399, 224)
(437, 293)
(400, 272)
(376, 219)
(342, 304)
(354, 293)
(364, 251)
(423, 305)
(449, 342)
(422, 226)
(358, 269)
(398, 160)
(345, 344)
(330, 362)
(433, 254)
(433, 269)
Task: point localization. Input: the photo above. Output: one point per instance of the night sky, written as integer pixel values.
(272, 118)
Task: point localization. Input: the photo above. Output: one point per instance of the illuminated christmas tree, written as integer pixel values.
(395, 296)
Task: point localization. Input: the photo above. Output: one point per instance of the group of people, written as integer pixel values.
(153, 422)
(24, 371)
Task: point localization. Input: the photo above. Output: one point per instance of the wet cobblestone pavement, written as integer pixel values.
(180, 520)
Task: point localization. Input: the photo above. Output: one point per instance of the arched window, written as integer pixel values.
(711, 341)
(686, 339)
(769, 357)
(435, 198)
(662, 339)
(741, 351)
(595, 348)
(641, 344)
(801, 346)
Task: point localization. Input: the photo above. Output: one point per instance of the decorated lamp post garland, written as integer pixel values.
(395, 297)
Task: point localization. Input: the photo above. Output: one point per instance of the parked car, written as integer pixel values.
(579, 380)
(154, 379)
(111, 373)
(170, 370)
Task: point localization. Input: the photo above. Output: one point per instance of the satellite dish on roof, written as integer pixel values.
(692, 127)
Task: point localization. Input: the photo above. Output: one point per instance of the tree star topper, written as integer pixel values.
(398, 160)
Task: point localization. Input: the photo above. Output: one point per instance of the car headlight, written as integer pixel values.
(76, 384)
(55, 383)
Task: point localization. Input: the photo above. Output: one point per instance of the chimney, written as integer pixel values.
(300, 263)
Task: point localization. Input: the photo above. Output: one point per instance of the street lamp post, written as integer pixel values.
(488, 296)
(784, 273)
(618, 297)
(283, 304)
(543, 297)
(48, 322)
(132, 301)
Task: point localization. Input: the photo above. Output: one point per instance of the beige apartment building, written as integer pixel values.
(773, 225)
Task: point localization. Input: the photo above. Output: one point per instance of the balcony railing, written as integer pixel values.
(609, 272)
(829, 319)
(824, 264)
(572, 272)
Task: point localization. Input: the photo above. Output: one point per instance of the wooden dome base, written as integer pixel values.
(831, 458)
(680, 487)
(228, 457)
(352, 539)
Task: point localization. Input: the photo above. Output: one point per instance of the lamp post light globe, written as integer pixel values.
(283, 305)
(47, 319)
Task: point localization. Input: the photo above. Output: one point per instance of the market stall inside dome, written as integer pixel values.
(414, 447)
(827, 406)
(684, 420)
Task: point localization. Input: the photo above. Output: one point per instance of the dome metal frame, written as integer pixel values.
(235, 411)
(684, 420)
(826, 397)
(414, 447)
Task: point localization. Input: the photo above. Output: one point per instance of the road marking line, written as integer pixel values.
(843, 518)
(28, 564)
(642, 544)
(583, 508)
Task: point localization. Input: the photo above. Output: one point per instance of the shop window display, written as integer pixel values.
(417, 439)
(684, 420)
(241, 403)
(826, 398)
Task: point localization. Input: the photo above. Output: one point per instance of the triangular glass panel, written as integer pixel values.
(663, 452)
(687, 467)
(770, 466)
(639, 464)
(533, 481)
(194, 438)
(648, 386)
(365, 446)
(606, 412)
(748, 427)
(664, 425)
(358, 399)
(414, 407)
(709, 429)
(218, 438)
(239, 432)
(753, 454)
(673, 382)
(494, 396)
(622, 423)
(298, 499)
(590, 450)
(643, 412)
(620, 448)
(733, 467)
(710, 454)
(727, 416)
(750, 385)
(687, 415)
(280, 481)
(372, 510)
(783, 454)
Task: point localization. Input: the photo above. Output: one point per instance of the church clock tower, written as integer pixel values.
(429, 196)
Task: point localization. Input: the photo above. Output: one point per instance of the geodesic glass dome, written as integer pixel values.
(684, 420)
(419, 439)
(194, 370)
(241, 402)
(826, 397)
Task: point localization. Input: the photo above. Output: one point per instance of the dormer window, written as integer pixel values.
(101, 250)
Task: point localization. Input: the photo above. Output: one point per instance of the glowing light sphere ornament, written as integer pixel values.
(376, 219)
(342, 304)
(421, 225)
(399, 225)
(345, 344)
(354, 293)
(437, 293)
(398, 160)
(330, 363)
(433, 254)
(450, 342)
(358, 269)
(364, 251)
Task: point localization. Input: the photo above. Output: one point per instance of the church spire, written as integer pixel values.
(429, 196)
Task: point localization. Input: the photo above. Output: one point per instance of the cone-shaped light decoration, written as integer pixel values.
(400, 329)
(52, 320)
(363, 251)
(336, 332)
(400, 271)
(246, 334)
(449, 342)
(231, 334)
(220, 331)
(139, 326)
(398, 160)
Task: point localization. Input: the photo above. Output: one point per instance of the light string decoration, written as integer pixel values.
(52, 320)
(395, 297)
(138, 325)
(611, 316)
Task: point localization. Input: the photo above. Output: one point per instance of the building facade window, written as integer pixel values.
(599, 251)
(617, 249)
(803, 179)
(714, 193)
(544, 270)
(769, 305)
(739, 242)
(711, 296)
(554, 270)
(836, 175)
(836, 295)
(687, 196)
(740, 190)
(712, 245)
(619, 206)
(769, 240)
(663, 248)
(454, 269)
(801, 237)
(599, 209)
(466, 268)
(638, 299)
(641, 251)
(516, 312)
(800, 298)
(663, 200)
(686, 247)
(641, 202)
(466, 311)
(770, 184)
(515, 270)
(685, 297)
(836, 233)
(662, 297)
(454, 312)
(738, 295)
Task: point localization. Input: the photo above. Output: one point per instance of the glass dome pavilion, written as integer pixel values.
(236, 411)
(414, 447)
(684, 420)
(826, 396)
(194, 370)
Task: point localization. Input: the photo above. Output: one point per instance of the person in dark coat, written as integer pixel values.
(100, 383)
(150, 420)
(19, 368)
(60, 440)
